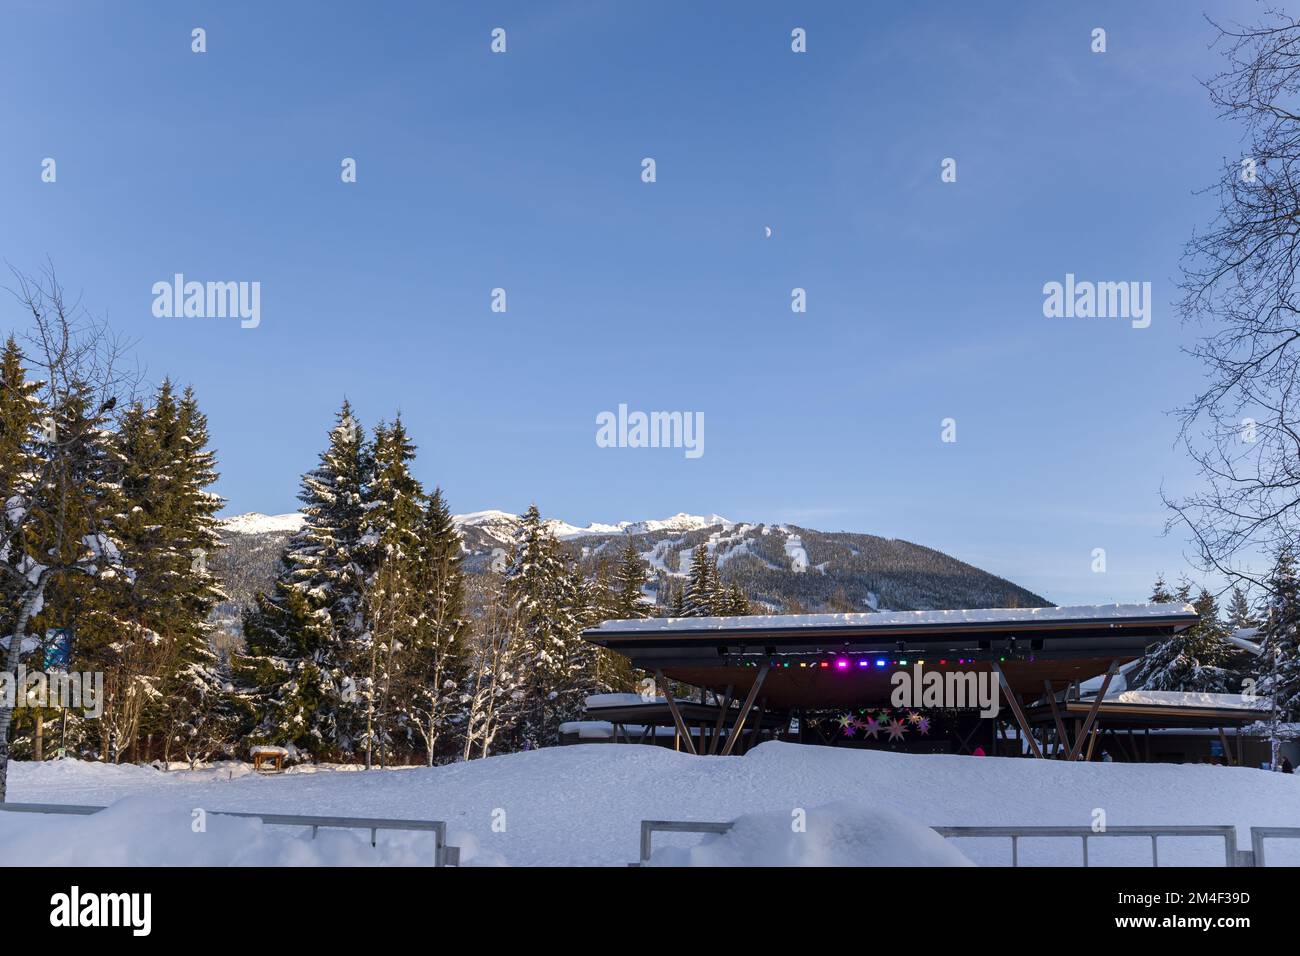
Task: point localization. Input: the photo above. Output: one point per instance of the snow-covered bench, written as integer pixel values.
(264, 754)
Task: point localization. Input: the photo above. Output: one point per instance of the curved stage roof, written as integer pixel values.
(845, 660)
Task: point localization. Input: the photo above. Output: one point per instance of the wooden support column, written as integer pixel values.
(744, 711)
(1056, 714)
(1015, 707)
(682, 731)
(1227, 748)
(756, 731)
(722, 715)
(1092, 711)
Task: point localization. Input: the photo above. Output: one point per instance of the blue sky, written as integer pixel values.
(522, 171)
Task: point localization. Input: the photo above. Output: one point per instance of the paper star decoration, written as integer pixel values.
(872, 727)
(897, 729)
(923, 726)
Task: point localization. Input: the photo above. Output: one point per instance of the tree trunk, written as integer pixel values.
(11, 665)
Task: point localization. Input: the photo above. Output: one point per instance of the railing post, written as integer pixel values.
(645, 841)
(1257, 846)
(1155, 851)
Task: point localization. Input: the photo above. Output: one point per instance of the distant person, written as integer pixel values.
(1286, 766)
(979, 752)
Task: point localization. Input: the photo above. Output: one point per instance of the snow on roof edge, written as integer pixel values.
(1083, 612)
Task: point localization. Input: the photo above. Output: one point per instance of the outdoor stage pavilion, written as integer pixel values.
(829, 675)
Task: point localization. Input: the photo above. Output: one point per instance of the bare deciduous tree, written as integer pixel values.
(1239, 283)
(52, 522)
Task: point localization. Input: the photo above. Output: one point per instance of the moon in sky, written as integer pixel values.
(767, 232)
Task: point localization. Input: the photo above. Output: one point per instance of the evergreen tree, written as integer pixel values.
(20, 412)
(392, 549)
(79, 500)
(436, 685)
(541, 592)
(1192, 659)
(197, 712)
(306, 638)
(699, 598)
(737, 603)
(324, 557)
(630, 578)
(1240, 614)
(1279, 664)
(1160, 593)
(676, 600)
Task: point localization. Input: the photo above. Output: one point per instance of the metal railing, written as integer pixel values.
(1259, 834)
(649, 827)
(444, 855)
(1227, 833)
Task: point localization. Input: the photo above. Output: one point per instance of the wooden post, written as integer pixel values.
(1056, 714)
(677, 714)
(744, 712)
(722, 715)
(1015, 706)
(1227, 748)
(756, 731)
(1092, 712)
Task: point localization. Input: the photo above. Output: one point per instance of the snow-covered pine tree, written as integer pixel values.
(608, 597)
(150, 632)
(286, 675)
(327, 560)
(435, 690)
(304, 639)
(20, 413)
(676, 600)
(1279, 664)
(720, 598)
(737, 603)
(538, 583)
(1240, 614)
(197, 712)
(699, 597)
(393, 548)
(1160, 593)
(629, 580)
(1191, 660)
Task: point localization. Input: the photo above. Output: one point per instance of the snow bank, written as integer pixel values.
(583, 804)
(838, 834)
(151, 831)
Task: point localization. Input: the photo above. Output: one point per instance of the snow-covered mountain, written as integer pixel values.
(783, 567)
(498, 525)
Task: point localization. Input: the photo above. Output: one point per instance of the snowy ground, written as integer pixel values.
(582, 805)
